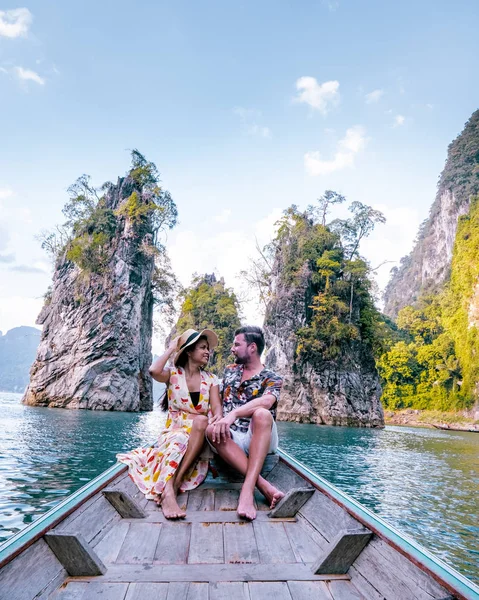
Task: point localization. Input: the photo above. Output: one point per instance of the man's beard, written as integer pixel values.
(240, 360)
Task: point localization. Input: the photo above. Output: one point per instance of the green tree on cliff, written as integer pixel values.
(209, 304)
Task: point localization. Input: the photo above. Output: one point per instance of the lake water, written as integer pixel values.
(423, 481)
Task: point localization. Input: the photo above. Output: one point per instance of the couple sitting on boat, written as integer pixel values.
(239, 426)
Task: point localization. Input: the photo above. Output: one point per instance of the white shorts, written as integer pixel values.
(243, 439)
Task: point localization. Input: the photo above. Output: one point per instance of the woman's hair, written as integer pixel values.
(181, 362)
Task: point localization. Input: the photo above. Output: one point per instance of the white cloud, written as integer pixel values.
(28, 75)
(223, 217)
(332, 5)
(399, 120)
(320, 96)
(374, 96)
(15, 23)
(353, 142)
(249, 118)
(5, 193)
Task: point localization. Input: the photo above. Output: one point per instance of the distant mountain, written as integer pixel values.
(17, 352)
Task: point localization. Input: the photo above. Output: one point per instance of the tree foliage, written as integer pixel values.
(442, 333)
(325, 261)
(209, 304)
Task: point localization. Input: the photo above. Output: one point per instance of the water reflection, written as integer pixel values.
(422, 481)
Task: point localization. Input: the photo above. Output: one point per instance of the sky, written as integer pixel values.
(245, 107)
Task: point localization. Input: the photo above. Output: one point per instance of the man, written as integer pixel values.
(247, 432)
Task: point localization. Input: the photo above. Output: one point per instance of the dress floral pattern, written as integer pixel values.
(150, 468)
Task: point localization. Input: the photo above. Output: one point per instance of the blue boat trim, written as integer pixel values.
(449, 577)
(26, 537)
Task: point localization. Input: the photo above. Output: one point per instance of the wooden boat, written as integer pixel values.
(106, 541)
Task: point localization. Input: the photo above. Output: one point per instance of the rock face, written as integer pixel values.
(345, 391)
(427, 267)
(17, 352)
(95, 348)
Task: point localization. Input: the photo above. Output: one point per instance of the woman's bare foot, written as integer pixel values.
(272, 494)
(169, 504)
(246, 508)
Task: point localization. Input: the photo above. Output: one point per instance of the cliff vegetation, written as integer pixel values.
(208, 304)
(435, 365)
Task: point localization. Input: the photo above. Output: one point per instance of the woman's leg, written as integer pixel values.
(169, 503)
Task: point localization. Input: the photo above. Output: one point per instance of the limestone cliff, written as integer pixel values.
(316, 331)
(95, 348)
(426, 268)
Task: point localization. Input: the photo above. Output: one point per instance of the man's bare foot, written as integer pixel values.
(169, 504)
(246, 509)
(272, 494)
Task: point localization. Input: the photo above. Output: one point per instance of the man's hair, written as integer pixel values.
(253, 335)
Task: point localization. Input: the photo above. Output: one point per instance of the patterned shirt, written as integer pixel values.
(236, 393)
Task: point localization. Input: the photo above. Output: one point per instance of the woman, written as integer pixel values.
(192, 401)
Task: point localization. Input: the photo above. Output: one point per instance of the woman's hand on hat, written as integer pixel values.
(173, 346)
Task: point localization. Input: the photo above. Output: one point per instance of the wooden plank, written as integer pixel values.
(303, 541)
(177, 591)
(400, 563)
(206, 544)
(182, 500)
(124, 504)
(240, 543)
(140, 543)
(285, 478)
(173, 545)
(270, 462)
(213, 572)
(292, 501)
(36, 567)
(342, 552)
(211, 516)
(343, 590)
(273, 543)
(92, 520)
(309, 590)
(363, 586)
(72, 590)
(236, 590)
(389, 582)
(147, 591)
(75, 554)
(328, 517)
(105, 591)
(109, 547)
(201, 499)
(216, 484)
(226, 499)
(266, 590)
(260, 501)
(197, 591)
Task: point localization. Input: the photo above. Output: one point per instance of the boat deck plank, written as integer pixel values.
(309, 590)
(240, 543)
(268, 590)
(201, 499)
(109, 547)
(147, 591)
(197, 591)
(304, 546)
(140, 543)
(173, 544)
(343, 590)
(273, 543)
(206, 544)
(236, 590)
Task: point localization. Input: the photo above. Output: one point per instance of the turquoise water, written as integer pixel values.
(425, 482)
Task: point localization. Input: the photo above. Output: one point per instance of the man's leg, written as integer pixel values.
(236, 457)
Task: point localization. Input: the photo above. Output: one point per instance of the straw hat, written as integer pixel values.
(190, 336)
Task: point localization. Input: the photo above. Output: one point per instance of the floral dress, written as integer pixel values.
(150, 468)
